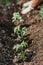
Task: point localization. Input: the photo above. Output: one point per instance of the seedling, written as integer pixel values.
(17, 47)
(21, 32)
(6, 2)
(20, 46)
(21, 56)
(41, 12)
(16, 16)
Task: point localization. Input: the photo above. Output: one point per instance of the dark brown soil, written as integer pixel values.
(34, 25)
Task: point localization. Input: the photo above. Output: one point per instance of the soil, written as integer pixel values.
(34, 24)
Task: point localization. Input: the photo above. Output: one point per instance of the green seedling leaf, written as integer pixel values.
(6, 2)
(16, 47)
(16, 16)
(17, 29)
(41, 12)
(23, 31)
(24, 44)
(20, 31)
(21, 56)
(20, 46)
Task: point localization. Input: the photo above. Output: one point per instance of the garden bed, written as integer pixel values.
(34, 25)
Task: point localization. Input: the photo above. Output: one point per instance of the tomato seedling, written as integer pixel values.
(20, 46)
(21, 32)
(16, 16)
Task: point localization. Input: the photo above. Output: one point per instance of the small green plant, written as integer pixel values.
(23, 45)
(16, 47)
(16, 16)
(21, 32)
(41, 12)
(21, 56)
(6, 2)
(20, 46)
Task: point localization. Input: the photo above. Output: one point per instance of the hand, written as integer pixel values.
(27, 7)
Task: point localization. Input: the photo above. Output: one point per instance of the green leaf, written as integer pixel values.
(24, 44)
(6, 2)
(16, 47)
(21, 56)
(16, 16)
(20, 46)
(20, 31)
(41, 12)
(17, 29)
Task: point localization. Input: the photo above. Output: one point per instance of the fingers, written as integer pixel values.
(27, 4)
(26, 10)
(26, 7)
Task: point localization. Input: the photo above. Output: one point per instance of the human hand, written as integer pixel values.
(27, 7)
